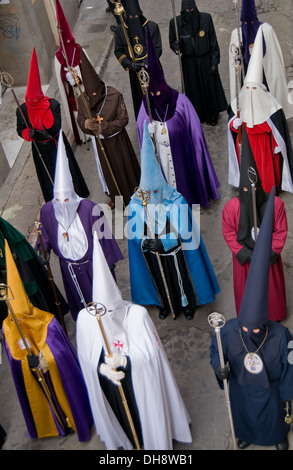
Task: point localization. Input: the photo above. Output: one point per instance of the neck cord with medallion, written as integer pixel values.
(252, 360)
(164, 130)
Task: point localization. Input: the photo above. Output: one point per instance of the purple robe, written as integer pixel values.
(91, 215)
(196, 178)
(72, 380)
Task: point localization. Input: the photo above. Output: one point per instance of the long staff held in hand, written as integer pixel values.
(252, 176)
(217, 321)
(7, 80)
(143, 194)
(51, 277)
(98, 119)
(240, 42)
(179, 53)
(4, 296)
(98, 310)
(235, 50)
(145, 80)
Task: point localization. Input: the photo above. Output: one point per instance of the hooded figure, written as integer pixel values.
(200, 56)
(156, 406)
(41, 126)
(266, 127)
(134, 58)
(65, 407)
(260, 375)
(67, 225)
(272, 62)
(109, 120)
(179, 137)
(32, 272)
(166, 226)
(238, 232)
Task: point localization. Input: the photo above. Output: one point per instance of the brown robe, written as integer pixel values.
(118, 147)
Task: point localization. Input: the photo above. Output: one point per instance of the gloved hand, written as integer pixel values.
(91, 124)
(70, 78)
(116, 360)
(33, 361)
(45, 134)
(42, 259)
(214, 69)
(222, 372)
(237, 122)
(277, 149)
(114, 376)
(135, 66)
(152, 244)
(151, 128)
(32, 133)
(176, 46)
(39, 135)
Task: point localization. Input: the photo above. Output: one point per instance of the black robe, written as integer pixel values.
(200, 53)
(123, 56)
(48, 152)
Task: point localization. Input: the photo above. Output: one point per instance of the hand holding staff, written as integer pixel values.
(252, 176)
(143, 194)
(98, 310)
(217, 321)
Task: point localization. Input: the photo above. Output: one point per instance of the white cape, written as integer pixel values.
(273, 65)
(162, 412)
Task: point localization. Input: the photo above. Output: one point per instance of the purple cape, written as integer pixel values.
(72, 380)
(196, 178)
(90, 215)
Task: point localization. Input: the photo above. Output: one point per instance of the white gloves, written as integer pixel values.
(70, 79)
(237, 122)
(151, 128)
(116, 360)
(106, 369)
(277, 149)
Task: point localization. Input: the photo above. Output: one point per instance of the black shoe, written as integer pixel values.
(242, 444)
(163, 314)
(189, 314)
(283, 445)
(108, 10)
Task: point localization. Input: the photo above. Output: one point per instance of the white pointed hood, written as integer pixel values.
(256, 103)
(64, 189)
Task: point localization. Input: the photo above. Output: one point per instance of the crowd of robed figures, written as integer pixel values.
(175, 171)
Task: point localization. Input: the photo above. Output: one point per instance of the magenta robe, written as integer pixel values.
(277, 291)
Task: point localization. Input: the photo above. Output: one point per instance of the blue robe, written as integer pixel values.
(258, 400)
(143, 289)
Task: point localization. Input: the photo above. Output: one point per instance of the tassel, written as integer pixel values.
(184, 301)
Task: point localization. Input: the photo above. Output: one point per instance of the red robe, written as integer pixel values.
(277, 292)
(267, 161)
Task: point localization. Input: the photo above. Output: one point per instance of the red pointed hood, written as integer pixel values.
(69, 52)
(38, 105)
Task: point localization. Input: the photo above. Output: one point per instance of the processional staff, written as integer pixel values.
(217, 321)
(7, 80)
(145, 80)
(36, 363)
(240, 42)
(119, 11)
(144, 195)
(51, 277)
(252, 176)
(237, 66)
(98, 310)
(179, 53)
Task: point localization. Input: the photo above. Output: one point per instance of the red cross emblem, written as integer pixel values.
(117, 345)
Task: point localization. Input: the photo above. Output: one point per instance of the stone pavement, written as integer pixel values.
(186, 343)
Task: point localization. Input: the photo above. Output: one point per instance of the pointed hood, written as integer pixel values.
(254, 307)
(38, 105)
(65, 201)
(162, 106)
(249, 26)
(152, 178)
(32, 321)
(92, 82)
(72, 49)
(246, 220)
(256, 103)
(132, 7)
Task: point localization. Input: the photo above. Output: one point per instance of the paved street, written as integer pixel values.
(186, 343)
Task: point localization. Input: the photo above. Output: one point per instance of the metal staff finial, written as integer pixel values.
(235, 50)
(252, 176)
(217, 321)
(98, 310)
(144, 195)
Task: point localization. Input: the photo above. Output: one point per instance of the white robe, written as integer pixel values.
(163, 415)
(273, 65)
